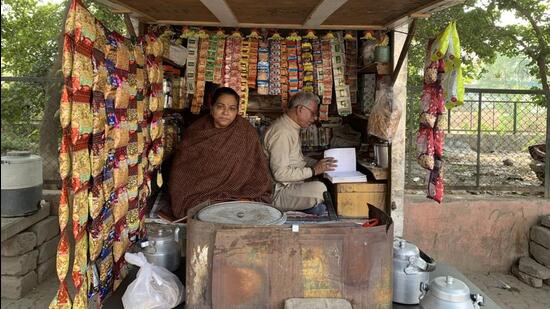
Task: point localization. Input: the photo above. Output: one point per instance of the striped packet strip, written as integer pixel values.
(262, 85)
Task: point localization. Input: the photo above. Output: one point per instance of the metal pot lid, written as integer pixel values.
(245, 213)
(404, 249)
(18, 157)
(160, 232)
(450, 289)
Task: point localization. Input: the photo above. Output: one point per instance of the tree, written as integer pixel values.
(31, 46)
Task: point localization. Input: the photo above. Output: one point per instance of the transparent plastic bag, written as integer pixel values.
(154, 287)
(385, 114)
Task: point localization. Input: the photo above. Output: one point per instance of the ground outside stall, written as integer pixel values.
(487, 280)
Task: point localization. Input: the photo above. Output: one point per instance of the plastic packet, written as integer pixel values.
(154, 287)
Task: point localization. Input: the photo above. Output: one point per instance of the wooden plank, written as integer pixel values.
(360, 187)
(13, 226)
(272, 12)
(222, 11)
(322, 12)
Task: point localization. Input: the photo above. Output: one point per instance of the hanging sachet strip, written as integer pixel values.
(192, 57)
(274, 65)
(253, 38)
(317, 66)
(343, 103)
(284, 76)
(262, 85)
(307, 65)
(201, 75)
(351, 67)
(292, 60)
(243, 67)
(218, 62)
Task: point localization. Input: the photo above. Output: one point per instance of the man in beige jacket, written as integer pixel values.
(289, 168)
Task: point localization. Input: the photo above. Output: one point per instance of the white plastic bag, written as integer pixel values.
(154, 287)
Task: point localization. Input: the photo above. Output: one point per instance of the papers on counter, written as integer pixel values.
(346, 171)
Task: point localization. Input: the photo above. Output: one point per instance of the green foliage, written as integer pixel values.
(30, 32)
(483, 39)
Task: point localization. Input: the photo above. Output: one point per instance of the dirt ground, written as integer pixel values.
(460, 170)
(521, 296)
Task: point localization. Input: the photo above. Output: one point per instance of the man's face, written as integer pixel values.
(307, 114)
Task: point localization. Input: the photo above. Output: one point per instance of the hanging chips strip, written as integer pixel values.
(351, 68)
(227, 61)
(292, 56)
(307, 64)
(245, 49)
(284, 76)
(263, 68)
(343, 103)
(201, 75)
(235, 81)
(192, 51)
(317, 66)
(253, 59)
(218, 64)
(274, 67)
(211, 58)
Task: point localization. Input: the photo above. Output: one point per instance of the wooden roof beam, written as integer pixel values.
(323, 10)
(222, 11)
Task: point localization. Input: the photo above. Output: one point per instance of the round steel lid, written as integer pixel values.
(450, 289)
(241, 212)
(159, 232)
(404, 249)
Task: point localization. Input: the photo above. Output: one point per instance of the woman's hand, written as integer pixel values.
(325, 165)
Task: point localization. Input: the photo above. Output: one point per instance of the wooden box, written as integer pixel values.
(351, 198)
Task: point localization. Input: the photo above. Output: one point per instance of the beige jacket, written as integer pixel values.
(283, 149)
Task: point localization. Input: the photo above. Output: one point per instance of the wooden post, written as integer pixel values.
(412, 28)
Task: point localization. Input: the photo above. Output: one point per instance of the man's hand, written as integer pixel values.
(325, 165)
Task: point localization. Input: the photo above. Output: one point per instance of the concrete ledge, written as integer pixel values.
(12, 226)
(473, 232)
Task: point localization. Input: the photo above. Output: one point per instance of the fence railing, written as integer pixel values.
(486, 142)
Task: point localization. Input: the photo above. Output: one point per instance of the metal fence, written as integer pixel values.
(486, 140)
(22, 104)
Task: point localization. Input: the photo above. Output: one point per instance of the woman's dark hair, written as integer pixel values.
(224, 90)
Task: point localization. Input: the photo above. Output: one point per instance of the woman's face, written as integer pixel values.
(224, 111)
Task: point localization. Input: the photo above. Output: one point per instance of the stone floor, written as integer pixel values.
(521, 296)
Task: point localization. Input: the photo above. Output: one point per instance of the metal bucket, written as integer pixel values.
(381, 154)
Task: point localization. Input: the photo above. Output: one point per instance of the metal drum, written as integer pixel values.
(21, 183)
(243, 213)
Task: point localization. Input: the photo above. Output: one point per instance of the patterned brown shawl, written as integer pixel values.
(218, 165)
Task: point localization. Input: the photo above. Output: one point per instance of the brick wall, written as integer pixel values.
(29, 257)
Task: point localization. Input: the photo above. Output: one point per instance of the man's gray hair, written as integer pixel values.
(303, 99)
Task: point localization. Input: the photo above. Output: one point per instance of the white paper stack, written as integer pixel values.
(346, 170)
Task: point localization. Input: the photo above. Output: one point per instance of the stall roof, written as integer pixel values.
(291, 14)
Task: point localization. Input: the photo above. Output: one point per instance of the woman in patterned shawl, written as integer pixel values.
(219, 159)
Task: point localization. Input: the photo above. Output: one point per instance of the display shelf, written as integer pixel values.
(375, 68)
